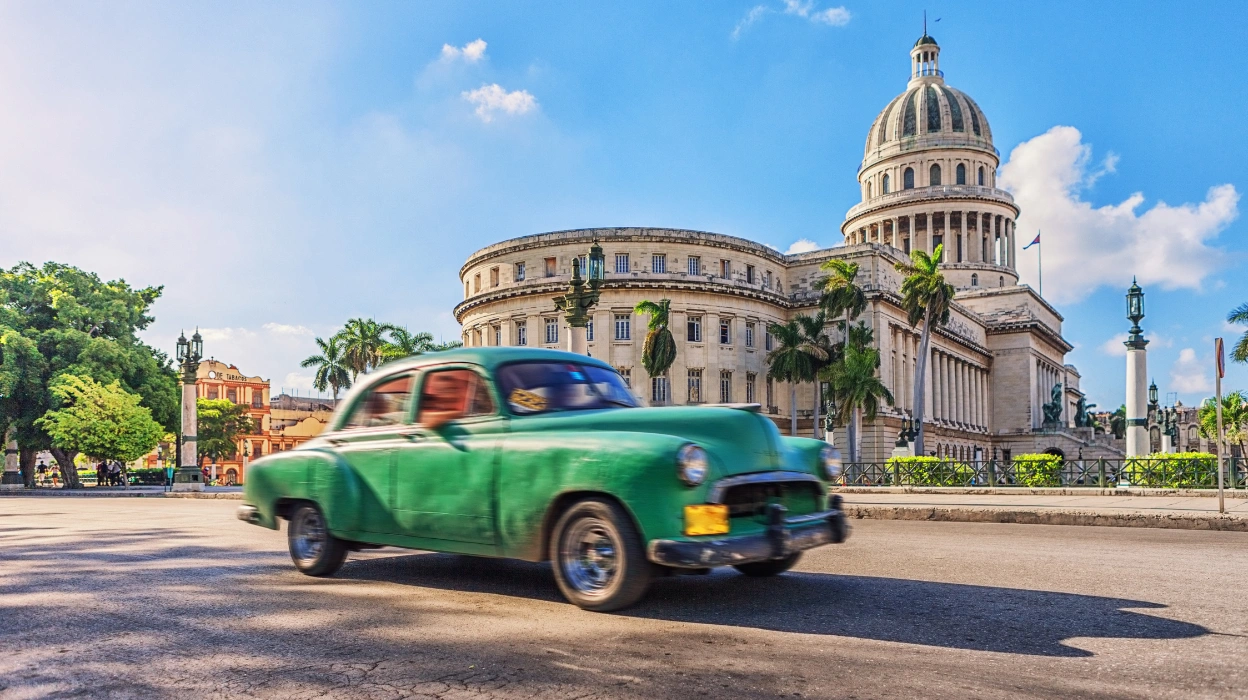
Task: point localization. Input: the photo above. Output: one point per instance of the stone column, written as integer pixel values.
(12, 479)
(188, 476)
(1137, 398)
(577, 341)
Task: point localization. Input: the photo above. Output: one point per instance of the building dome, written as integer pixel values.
(929, 114)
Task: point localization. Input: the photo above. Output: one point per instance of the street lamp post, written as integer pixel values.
(577, 301)
(1137, 375)
(188, 477)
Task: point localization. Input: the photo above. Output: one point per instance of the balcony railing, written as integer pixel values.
(934, 192)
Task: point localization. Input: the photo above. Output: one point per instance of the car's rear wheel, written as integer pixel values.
(771, 567)
(598, 556)
(313, 549)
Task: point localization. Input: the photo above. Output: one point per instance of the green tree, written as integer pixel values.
(822, 354)
(795, 359)
(840, 293)
(404, 343)
(1239, 353)
(1234, 418)
(57, 320)
(364, 344)
(658, 352)
(220, 424)
(1118, 422)
(332, 372)
(858, 389)
(98, 420)
(926, 297)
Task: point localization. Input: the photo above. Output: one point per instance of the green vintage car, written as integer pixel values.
(539, 454)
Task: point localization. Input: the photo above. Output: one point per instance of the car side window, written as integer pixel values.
(451, 394)
(384, 404)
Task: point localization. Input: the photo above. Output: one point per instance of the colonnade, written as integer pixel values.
(969, 236)
(958, 387)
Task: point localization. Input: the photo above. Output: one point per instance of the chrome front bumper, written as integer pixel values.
(784, 536)
(248, 514)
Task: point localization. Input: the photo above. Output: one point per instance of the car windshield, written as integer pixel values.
(542, 387)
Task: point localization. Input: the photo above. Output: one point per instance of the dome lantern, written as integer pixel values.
(925, 60)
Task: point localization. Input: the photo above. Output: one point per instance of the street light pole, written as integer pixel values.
(188, 477)
(577, 301)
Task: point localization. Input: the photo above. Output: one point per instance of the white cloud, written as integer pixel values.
(1114, 346)
(295, 380)
(1189, 374)
(834, 16)
(1165, 245)
(750, 17)
(493, 99)
(471, 52)
(802, 245)
(286, 329)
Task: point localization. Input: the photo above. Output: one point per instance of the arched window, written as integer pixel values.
(1001, 281)
(1193, 438)
(868, 190)
(907, 179)
(934, 175)
(981, 176)
(974, 280)
(885, 189)
(961, 174)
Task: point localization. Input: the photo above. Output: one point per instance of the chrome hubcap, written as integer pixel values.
(309, 536)
(589, 556)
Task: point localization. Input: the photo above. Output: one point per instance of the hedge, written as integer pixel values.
(1173, 470)
(1038, 470)
(931, 471)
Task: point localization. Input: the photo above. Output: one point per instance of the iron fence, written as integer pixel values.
(1147, 472)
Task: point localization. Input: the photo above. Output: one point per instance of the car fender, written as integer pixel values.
(315, 475)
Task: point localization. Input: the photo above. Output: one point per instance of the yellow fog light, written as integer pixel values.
(706, 520)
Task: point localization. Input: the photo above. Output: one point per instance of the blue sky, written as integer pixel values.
(282, 167)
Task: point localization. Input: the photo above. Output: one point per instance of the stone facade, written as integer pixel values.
(928, 178)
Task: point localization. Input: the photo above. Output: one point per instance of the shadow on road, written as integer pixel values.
(929, 613)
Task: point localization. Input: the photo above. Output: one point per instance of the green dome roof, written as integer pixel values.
(925, 39)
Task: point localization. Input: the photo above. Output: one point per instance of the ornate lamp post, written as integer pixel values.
(1152, 396)
(1137, 372)
(577, 301)
(188, 477)
(12, 478)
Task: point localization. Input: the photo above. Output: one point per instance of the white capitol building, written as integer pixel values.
(928, 176)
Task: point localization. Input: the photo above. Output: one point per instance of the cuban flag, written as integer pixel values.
(1036, 241)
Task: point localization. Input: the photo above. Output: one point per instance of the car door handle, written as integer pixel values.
(413, 436)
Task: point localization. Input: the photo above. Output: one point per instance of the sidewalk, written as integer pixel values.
(229, 492)
(1172, 512)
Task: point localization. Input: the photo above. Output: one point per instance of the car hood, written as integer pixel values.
(738, 440)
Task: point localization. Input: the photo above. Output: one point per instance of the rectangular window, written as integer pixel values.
(550, 267)
(749, 335)
(767, 280)
(519, 272)
(695, 265)
(522, 333)
(552, 330)
(725, 269)
(694, 334)
(493, 276)
(626, 373)
(623, 327)
(476, 283)
(658, 390)
(498, 335)
(767, 340)
(582, 264)
(749, 387)
(232, 395)
(257, 398)
(621, 263)
(749, 274)
(771, 394)
(213, 392)
(695, 386)
(725, 387)
(658, 263)
(725, 332)
(589, 331)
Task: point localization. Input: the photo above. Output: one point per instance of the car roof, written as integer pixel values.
(489, 358)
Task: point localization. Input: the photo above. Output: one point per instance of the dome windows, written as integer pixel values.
(907, 179)
(933, 110)
(961, 174)
(981, 176)
(869, 195)
(974, 279)
(886, 183)
(934, 175)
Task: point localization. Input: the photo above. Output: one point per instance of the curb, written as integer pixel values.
(1026, 516)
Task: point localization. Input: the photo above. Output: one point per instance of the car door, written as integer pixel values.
(445, 472)
(368, 441)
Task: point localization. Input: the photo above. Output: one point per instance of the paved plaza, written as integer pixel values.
(126, 597)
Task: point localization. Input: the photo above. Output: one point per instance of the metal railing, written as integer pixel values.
(1143, 472)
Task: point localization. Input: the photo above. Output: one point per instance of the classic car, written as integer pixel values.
(546, 455)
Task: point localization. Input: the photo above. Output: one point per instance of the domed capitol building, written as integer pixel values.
(928, 177)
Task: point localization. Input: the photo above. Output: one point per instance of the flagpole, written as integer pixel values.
(1040, 263)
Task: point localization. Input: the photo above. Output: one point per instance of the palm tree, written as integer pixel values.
(858, 389)
(1234, 418)
(331, 369)
(795, 358)
(404, 343)
(1240, 315)
(812, 333)
(363, 344)
(926, 297)
(659, 350)
(840, 294)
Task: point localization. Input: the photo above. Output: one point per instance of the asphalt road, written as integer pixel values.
(176, 598)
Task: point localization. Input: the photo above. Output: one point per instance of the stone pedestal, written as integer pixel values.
(1166, 447)
(12, 479)
(576, 340)
(188, 477)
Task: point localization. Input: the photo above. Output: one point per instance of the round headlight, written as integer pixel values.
(831, 459)
(691, 464)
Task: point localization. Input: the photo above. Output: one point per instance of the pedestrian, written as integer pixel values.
(100, 474)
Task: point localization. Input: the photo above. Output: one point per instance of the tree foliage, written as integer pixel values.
(1239, 353)
(100, 420)
(220, 424)
(925, 297)
(858, 389)
(1234, 418)
(658, 352)
(332, 372)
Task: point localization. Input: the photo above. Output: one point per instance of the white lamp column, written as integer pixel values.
(1137, 376)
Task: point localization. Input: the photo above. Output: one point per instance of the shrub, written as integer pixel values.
(931, 471)
(1038, 470)
(149, 477)
(1173, 470)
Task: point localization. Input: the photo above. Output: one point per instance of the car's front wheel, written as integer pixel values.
(771, 567)
(598, 556)
(313, 549)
